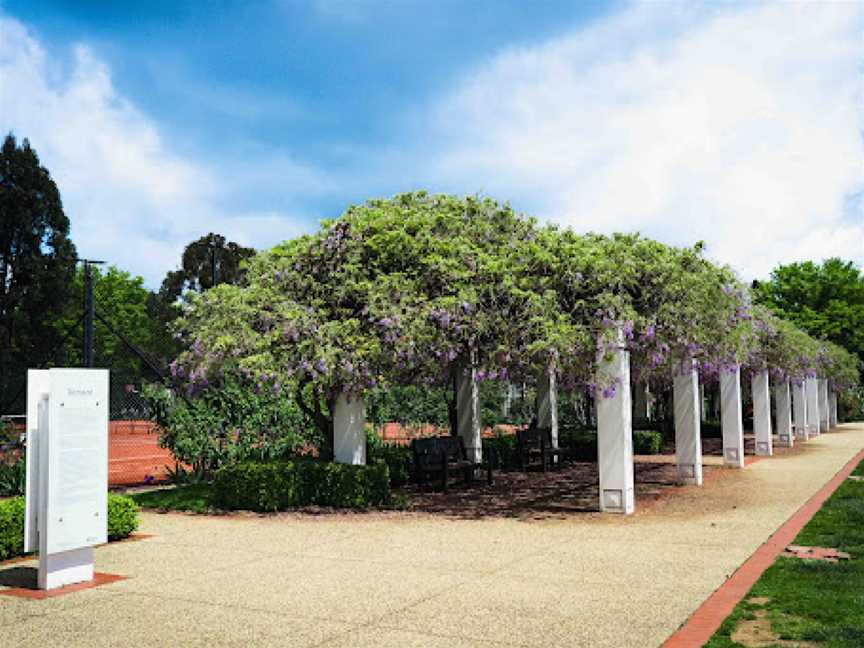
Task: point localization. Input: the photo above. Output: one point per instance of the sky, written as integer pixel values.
(738, 124)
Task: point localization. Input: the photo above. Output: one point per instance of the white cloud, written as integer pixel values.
(132, 201)
(738, 125)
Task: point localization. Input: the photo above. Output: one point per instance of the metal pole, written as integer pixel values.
(88, 315)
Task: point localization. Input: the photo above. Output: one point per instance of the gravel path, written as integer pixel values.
(431, 578)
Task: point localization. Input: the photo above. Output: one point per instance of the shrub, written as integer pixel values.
(122, 521)
(647, 442)
(504, 446)
(122, 516)
(12, 477)
(11, 527)
(278, 485)
(711, 430)
(397, 457)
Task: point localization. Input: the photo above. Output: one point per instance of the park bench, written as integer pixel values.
(441, 456)
(535, 443)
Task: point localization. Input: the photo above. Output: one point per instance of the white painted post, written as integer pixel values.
(812, 389)
(783, 401)
(642, 401)
(703, 414)
(759, 386)
(731, 417)
(349, 430)
(688, 443)
(615, 432)
(832, 407)
(547, 403)
(824, 416)
(468, 412)
(799, 403)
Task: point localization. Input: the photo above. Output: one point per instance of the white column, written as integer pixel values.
(349, 430)
(730, 417)
(615, 433)
(824, 416)
(812, 389)
(642, 401)
(547, 403)
(799, 403)
(688, 443)
(759, 385)
(832, 408)
(468, 412)
(783, 401)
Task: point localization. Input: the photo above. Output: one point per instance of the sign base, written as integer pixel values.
(65, 568)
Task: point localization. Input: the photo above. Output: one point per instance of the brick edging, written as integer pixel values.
(708, 617)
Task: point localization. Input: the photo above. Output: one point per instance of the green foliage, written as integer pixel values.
(826, 300)
(235, 422)
(195, 498)
(647, 442)
(810, 601)
(11, 528)
(279, 485)
(13, 477)
(504, 447)
(122, 522)
(408, 405)
(122, 516)
(397, 458)
(37, 260)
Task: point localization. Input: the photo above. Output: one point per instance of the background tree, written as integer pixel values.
(825, 300)
(37, 260)
(208, 261)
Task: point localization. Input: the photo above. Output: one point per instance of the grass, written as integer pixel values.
(814, 601)
(196, 498)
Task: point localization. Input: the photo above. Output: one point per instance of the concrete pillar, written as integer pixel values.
(349, 430)
(547, 403)
(799, 410)
(703, 414)
(468, 412)
(824, 417)
(688, 443)
(783, 421)
(832, 408)
(615, 433)
(642, 401)
(731, 417)
(811, 386)
(759, 385)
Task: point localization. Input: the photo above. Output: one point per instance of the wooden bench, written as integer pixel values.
(434, 456)
(536, 443)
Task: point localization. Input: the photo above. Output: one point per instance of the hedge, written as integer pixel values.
(397, 457)
(279, 485)
(122, 521)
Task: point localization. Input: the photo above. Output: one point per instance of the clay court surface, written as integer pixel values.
(134, 453)
(435, 578)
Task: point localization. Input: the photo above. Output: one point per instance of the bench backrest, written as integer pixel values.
(429, 451)
(532, 437)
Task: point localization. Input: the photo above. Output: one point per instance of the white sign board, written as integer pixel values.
(67, 466)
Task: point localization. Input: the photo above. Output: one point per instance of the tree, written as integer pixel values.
(825, 300)
(206, 262)
(37, 260)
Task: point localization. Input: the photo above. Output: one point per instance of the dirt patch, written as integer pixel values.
(758, 633)
(826, 554)
(758, 600)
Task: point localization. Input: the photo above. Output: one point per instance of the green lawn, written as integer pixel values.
(196, 498)
(814, 601)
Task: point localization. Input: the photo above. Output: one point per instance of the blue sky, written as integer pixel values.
(164, 120)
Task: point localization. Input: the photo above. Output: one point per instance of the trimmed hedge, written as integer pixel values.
(122, 521)
(279, 485)
(397, 457)
(647, 442)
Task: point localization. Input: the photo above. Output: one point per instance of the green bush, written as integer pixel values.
(122, 516)
(12, 478)
(11, 527)
(647, 442)
(122, 521)
(504, 446)
(711, 430)
(279, 485)
(397, 457)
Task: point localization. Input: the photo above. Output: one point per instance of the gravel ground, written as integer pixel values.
(431, 577)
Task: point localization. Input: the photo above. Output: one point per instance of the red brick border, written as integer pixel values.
(99, 578)
(707, 618)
